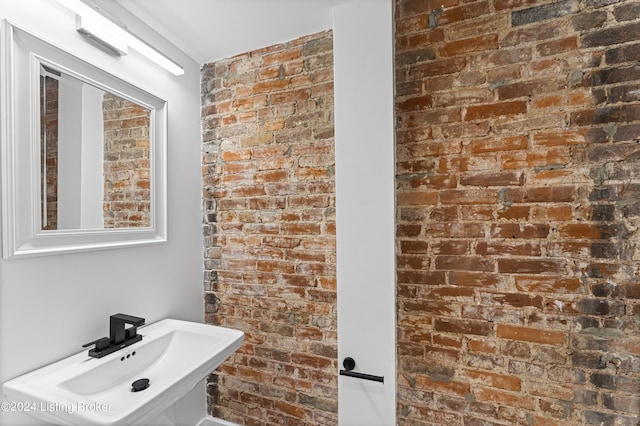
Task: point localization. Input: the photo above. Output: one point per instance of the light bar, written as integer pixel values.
(95, 26)
(99, 30)
(153, 55)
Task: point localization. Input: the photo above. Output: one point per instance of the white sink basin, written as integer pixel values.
(174, 355)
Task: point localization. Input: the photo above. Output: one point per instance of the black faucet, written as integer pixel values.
(119, 337)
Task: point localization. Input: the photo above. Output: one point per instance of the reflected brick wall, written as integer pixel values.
(127, 165)
(49, 150)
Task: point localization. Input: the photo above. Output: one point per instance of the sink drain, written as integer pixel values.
(139, 385)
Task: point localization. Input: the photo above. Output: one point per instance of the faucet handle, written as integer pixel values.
(100, 343)
(130, 333)
(129, 319)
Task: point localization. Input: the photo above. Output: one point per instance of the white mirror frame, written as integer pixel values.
(21, 54)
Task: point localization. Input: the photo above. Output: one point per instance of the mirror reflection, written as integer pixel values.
(95, 160)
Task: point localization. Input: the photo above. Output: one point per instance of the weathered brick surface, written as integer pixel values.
(126, 155)
(49, 147)
(269, 231)
(127, 163)
(518, 176)
(126, 166)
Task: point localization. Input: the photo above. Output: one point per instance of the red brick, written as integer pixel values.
(560, 138)
(451, 247)
(272, 201)
(455, 230)
(486, 346)
(417, 198)
(498, 144)
(517, 300)
(464, 12)
(495, 110)
(427, 307)
(474, 279)
(504, 73)
(581, 231)
(497, 160)
(499, 381)
(530, 33)
(489, 24)
(443, 340)
(537, 284)
(513, 4)
(504, 398)
(437, 68)
(514, 212)
(421, 277)
(493, 179)
(519, 230)
(514, 248)
(463, 130)
(529, 88)
(447, 386)
(555, 47)
(507, 56)
(468, 196)
(556, 194)
(464, 263)
(528, 334)
(558, 213)
(547, 231)
(414, 6)
(413, 23)
(450, 293)
(413, 247)
(422, 39)
(524, 266)
(411, 104)
(477, 44)
(433, 149)
(270, 86)
(480, 328)
(549, 101)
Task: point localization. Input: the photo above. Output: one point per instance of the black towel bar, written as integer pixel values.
(362, 376)
(349, 364)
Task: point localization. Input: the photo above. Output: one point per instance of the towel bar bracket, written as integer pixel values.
(349, 364)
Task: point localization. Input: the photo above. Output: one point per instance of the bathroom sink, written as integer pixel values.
(173, 355)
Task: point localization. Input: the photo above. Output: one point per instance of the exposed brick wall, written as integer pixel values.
(127, 164)
(518, 208)
(269, 231)
(49, 150)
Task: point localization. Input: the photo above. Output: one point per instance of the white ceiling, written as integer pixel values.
(207, 30)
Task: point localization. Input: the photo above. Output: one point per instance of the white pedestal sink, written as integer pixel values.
(173, 355)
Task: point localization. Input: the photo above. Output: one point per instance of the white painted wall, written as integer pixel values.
(69, 153)
(363, 48)
(92, 174)
(80, 155)
(51, 305)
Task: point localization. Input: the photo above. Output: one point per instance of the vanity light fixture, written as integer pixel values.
(97, 27)
(153, 55)
(101, 31)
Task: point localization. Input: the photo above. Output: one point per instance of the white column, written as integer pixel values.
(92, 190)
(365, 200)
(80, 155)
(69, 152)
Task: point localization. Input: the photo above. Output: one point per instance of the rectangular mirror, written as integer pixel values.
(94, 156)
(83, 153)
